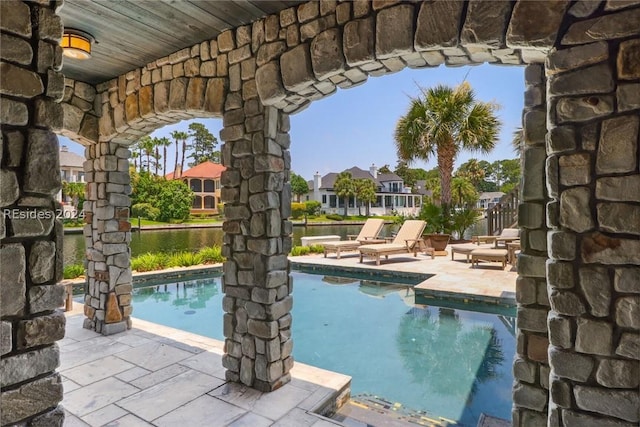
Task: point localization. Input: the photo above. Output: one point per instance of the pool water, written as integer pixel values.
(449, 363)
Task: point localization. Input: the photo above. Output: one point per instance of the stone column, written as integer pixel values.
(530, 367)
(107, 235)
(30, 236)
(594, 245)
(257, 285)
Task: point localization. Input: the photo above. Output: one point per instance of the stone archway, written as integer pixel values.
(580, 307)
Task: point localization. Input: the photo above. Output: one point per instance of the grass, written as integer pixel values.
(160, 261)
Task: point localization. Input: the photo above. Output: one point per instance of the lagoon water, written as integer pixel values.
(194, 239)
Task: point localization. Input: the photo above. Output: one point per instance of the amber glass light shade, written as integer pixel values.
(76, 45)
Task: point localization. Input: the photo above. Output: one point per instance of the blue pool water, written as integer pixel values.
(449, 363)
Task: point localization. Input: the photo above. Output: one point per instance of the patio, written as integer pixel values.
(155, 375)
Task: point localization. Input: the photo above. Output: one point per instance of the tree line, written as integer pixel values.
(198, 144)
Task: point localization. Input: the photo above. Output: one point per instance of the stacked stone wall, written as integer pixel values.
(82, 109)
(187, 84)
(593, 179)
(531, 367)
(31, 84)
(107, 234)
(256, 281)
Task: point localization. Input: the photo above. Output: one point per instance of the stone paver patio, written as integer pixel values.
(154, 375)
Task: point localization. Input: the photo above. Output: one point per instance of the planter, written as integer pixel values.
(438, 242)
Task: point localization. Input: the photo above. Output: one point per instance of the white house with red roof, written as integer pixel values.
(204, 181)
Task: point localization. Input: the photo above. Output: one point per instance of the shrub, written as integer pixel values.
(335, 217)
(149, 262)
(298, 210)
(211, 255)
(73, 271)
(145, 210)
(300, 250)
(316, 249)
(312, 207)
(184, 259)
(174, 201)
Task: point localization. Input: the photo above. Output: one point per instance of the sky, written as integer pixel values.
(354, 127)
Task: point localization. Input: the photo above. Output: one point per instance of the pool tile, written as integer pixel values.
(154, 355)
(104, 415)
(97, 395)
(272, 405)
(168, 395)
(159, 376)
(203, 411)
(97, 370)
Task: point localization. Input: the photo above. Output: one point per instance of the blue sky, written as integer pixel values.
(354, 127)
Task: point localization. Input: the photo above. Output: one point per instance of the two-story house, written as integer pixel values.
(204, 181)
(392, 195)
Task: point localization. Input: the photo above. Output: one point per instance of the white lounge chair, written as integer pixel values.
(368, 234)
(407, 240)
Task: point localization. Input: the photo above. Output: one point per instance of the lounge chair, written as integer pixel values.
(368, 233)
(506, 235)
(499, 255)
(467, 248)
(408, 239)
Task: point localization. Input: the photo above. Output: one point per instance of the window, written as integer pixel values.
(324, 199)
(332, 201)
(209, 202)
(197, 203)
(410, 202)
(209, 186)
(196, 185)
(388, 201)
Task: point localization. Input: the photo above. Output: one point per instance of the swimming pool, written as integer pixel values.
(450, 363)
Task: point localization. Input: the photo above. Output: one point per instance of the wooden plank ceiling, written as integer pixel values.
(132, 33)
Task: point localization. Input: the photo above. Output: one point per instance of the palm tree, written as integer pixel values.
(177, 137)
(146, 146)
(473, 171)
(156, 156)
(345, 188)
(463, 191)
(441, 123)
(365, 193)
(164, 142)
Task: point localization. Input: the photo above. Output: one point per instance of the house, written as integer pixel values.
(71, 165)
(487, 200)
(392, 195)
(204, 181)
(71, 169)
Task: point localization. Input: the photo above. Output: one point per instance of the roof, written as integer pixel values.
(69, 159)
(386, 177)
(356, 173)
(421, 188)
(206, 169)
(491, 195)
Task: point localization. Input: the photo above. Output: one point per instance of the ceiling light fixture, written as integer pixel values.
(76, 44)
